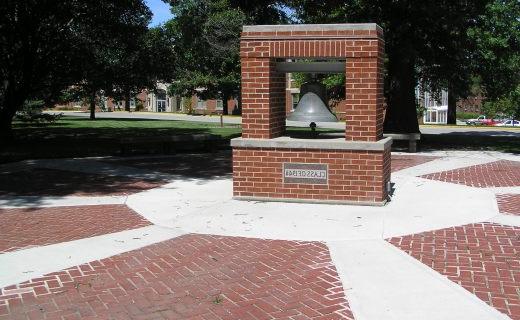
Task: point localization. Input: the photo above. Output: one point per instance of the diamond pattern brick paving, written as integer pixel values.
(190, 277)
(21, 228)
(483, 258)
(50, 182)
(501, 173)
(400, 162)
(509, 203)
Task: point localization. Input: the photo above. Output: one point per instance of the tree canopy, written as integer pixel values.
(108, 41)
(148, 60)
(206, 34)
(425, 41)
(106, 46)
(497, 56)
(36, 39)
(48, 46)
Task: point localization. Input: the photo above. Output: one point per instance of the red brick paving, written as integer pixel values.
(190, 277)
(400, 162)
(501, 173)
(483, 258)
(509, 203)
(50, 182)
(21, 228)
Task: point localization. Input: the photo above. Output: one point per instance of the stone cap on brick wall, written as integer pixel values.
(323, 144)
(312, 27)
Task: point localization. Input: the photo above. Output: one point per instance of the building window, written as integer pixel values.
(295, 100)
(220, 105)
(444, 98)
(161, 105)
(161, 100)
(201, 104)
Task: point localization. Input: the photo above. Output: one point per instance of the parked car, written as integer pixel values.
(481, 120)
(475, 121)
(509, 123)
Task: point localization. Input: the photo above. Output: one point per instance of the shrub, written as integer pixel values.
(32, 113)
(139, 106)
(467, 115)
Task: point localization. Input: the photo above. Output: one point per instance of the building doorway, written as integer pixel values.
(161, 100)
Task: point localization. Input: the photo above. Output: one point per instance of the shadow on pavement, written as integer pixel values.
(39, 182)
(477, 141)
(187, 166)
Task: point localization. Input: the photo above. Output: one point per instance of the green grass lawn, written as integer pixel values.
(119, 128)
(80, 137)
(75, 127)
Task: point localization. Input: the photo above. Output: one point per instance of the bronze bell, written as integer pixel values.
(312, 106)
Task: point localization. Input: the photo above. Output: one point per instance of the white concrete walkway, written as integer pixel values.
(23, 265)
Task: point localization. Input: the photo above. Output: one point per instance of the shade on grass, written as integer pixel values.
(118, 128)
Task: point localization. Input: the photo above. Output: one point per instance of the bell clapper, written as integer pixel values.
(312, 125)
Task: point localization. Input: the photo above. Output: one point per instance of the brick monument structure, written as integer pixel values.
(270, 166)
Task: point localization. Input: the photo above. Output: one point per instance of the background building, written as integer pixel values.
(434, 106)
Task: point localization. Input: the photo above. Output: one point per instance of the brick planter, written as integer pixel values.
(267, 166)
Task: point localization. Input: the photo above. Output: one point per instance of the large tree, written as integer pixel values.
(206, 34)
(425, 40)
(47, 46)
(109, 37)
(487, 49)
(35, 45)
(263, 11)
(497, 53)
(146, 61)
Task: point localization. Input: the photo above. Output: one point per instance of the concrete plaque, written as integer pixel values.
(305, 173)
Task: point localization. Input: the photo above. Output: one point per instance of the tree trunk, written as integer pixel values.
(127, 100)
(13, 101)
(225, 98)
(93, 106)
(239, 103)
(6, 124)
(452, 105)
(401, 113)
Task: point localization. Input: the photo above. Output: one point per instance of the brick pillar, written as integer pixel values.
(380, 110)
(361, 99)
(263, 99)
(364, 99)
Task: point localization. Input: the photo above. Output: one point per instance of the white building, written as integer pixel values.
(159, 100)
(435, 106)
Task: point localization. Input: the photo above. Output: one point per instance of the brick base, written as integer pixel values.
(354, 176)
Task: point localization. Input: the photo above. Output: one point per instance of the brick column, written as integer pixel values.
(364, 91)
(263, 99)
(364, 99)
